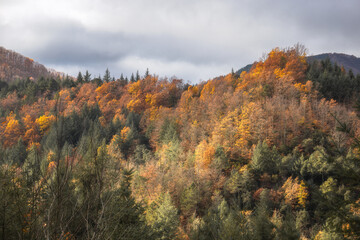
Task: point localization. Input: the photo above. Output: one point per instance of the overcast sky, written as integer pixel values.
(190, 39)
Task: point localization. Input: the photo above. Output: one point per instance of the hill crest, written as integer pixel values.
(348, 61)
(13, 66)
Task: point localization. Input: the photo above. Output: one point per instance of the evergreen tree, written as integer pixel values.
(97, 81)
(123, 81)
(80, 78)
(189, 200)
(13, 202)
(265, 159)
(261, 224)
(87, 76)
(68, 82)
(107, 76)
(287, 229)
(221, 222)
(168, 132)
(163, 218)
(132, 78)
(137, 76)
(17, 154)
(124, 216)
(52, 85)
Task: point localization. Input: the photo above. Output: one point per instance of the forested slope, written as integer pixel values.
(15, 66)
(349, 62)
(254, 156)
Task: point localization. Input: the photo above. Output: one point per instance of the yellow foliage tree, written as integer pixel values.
(244, 129)
(44, 122)
(12, 130)
(114, 150)
(124, 133)
(302, 194)
(32, 135)
(204, 154)
(291, 190)
(295, 192)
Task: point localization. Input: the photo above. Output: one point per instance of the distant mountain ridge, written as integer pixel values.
(348, 61)
(341, 59)
(246, 69)
(14, 65)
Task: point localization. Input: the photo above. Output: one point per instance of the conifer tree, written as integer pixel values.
(125, 218)
(80, 78)
(107, 76)
(287, 229)
(137, 78)
(261, 224)
(264, 159)
(87, 76)
(132, 78)
(163, 217)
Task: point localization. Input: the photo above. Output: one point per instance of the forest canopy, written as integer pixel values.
(272, 153)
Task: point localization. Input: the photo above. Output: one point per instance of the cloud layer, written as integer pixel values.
(193, 40)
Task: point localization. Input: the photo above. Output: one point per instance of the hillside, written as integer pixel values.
(347, 61)
(262, 155)
(341, 59)
(14, 65)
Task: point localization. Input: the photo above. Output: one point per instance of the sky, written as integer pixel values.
(194, 40)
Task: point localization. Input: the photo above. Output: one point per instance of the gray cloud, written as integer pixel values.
(191, 39)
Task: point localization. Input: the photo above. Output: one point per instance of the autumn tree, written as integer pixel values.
(12, 129)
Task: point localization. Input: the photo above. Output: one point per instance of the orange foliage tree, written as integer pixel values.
(11, 129)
